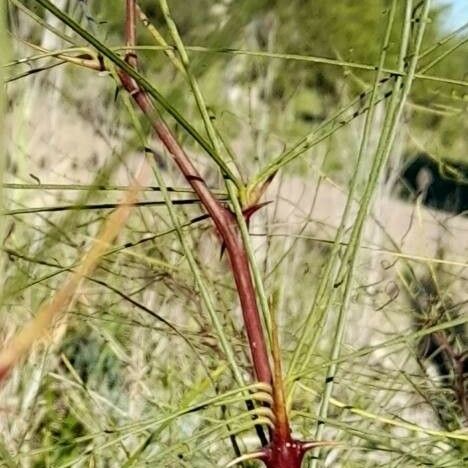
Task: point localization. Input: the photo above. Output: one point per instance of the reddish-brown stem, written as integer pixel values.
(283, 451)
(130, 32)
(287, 453)
(222, 218)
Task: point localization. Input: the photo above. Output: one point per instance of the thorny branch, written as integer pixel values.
(221, 216)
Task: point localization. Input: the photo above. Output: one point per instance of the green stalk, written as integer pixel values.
(328, 277)
(420, 75)
(255, 270)
(86, 187)
(184, 64)
(395, 110)
(217, 145)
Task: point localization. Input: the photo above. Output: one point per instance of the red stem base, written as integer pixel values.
(287, 453)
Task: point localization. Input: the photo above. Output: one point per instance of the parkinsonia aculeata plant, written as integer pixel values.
(280, 449)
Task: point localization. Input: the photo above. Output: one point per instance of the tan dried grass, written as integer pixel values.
(42, 324)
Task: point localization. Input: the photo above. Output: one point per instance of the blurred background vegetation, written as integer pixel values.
(345, 32)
